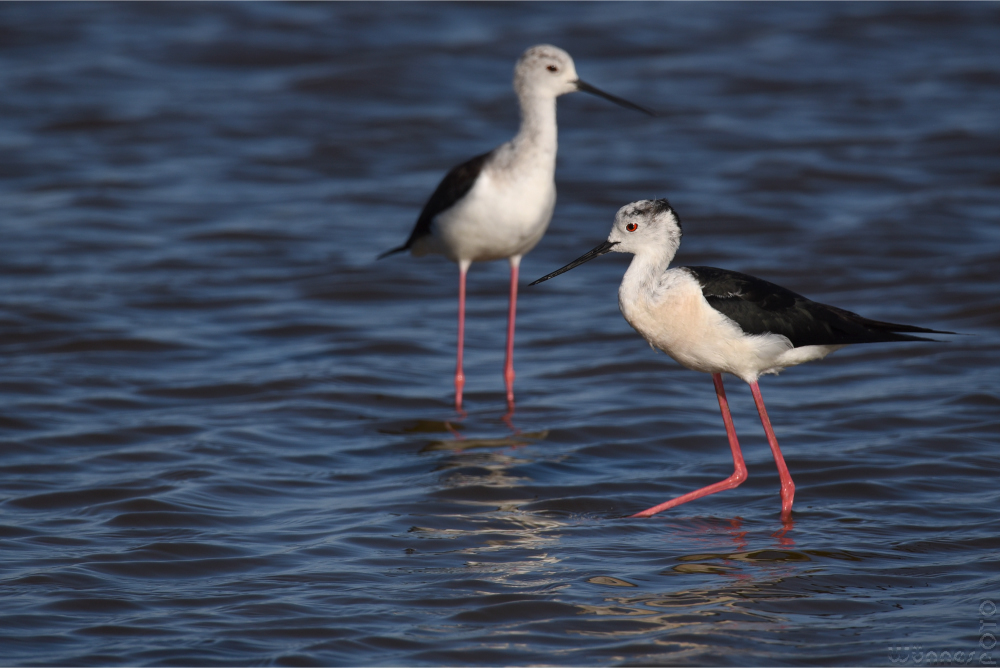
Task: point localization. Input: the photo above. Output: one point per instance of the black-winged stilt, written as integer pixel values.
(498, 204)
(720, 321)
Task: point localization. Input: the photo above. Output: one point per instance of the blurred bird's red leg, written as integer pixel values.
(463, 269)
(508, 367)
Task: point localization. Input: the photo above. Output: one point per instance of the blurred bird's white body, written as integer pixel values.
(498, 205)
(505, 215)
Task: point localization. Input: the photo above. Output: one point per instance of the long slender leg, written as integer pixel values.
(787, 486)
(463, 269)
(739, 468)
(508, 367)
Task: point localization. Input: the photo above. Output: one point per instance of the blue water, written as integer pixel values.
(227, 431)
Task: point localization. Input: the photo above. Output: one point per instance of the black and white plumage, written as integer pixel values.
(760, 307)
(719, 321)
(455, 185)
(499, 204)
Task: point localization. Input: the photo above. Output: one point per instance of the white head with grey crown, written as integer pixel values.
(547, 71)
(646, 227)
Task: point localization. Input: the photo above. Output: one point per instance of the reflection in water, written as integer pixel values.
(509, 543)
(214, 424)
(749, 577)
(509, 547)
(769, 556)
(784, 540)
(729, 563)
(610, 581)
(460, 442)
(705, 612)
(508, 418)
(489, 466)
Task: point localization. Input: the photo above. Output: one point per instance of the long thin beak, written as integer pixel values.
(597, 252)
(587, 88)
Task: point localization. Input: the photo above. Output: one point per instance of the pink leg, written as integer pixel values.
(463, 268)
(787, 486)
(739, 468)
(508, 367)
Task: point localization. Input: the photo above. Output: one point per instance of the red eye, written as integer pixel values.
(631, 227)
(552, 68)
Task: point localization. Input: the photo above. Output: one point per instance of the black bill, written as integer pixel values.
(587, 88)
(597, 252)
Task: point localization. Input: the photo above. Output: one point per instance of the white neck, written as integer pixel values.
(642, 279)
(537, 140)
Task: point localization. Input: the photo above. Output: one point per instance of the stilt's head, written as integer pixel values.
(649, 226)
(548, 71)
(545, 70)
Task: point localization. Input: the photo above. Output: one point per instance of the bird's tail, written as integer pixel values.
(895, 328)
(895, 332)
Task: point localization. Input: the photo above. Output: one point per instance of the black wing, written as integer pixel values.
(760, 307)
(453, 187)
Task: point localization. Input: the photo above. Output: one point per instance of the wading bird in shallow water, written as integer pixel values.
(498, 204)
(720, 321)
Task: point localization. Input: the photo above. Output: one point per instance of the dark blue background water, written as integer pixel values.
(227, 432)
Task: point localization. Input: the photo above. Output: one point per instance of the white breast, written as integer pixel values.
(675, 317)
(505, 214)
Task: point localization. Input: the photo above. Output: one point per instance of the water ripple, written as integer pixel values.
(228, 435)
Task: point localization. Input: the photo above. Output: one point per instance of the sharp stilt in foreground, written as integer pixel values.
(499, 204)
(720, 321)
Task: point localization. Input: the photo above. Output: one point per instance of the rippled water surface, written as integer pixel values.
(227, 431)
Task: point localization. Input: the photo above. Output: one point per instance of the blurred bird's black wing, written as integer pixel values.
(455, 185)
